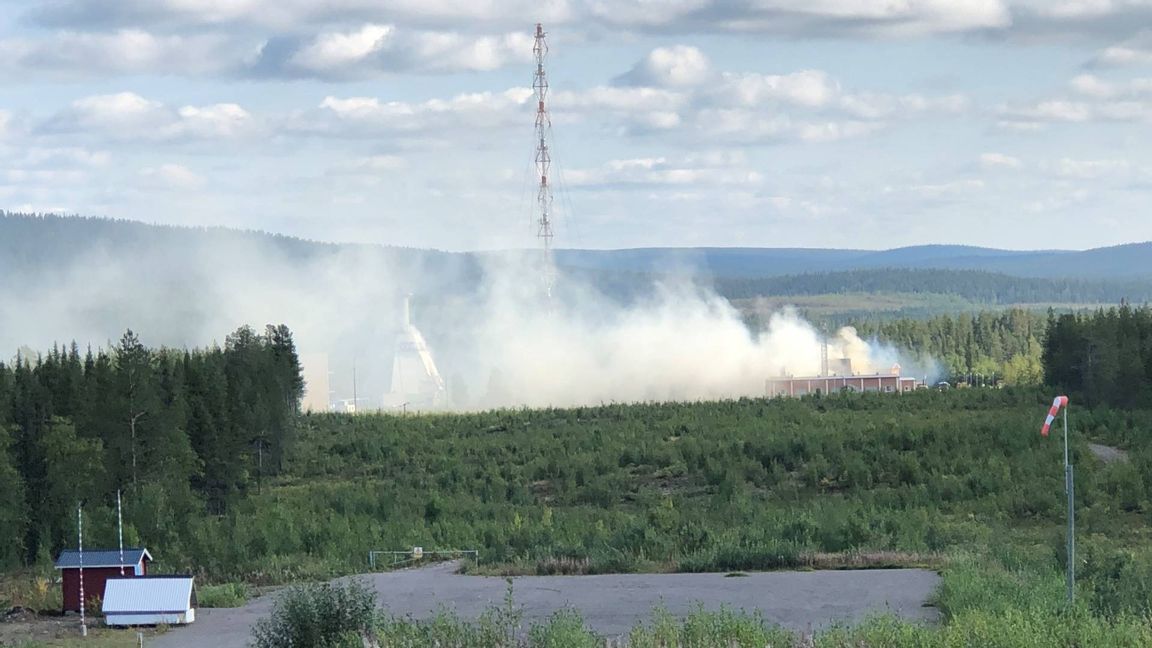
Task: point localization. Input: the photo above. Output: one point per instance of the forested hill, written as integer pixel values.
(1118, 262)
(43, 241)
(36, 243)
(979, 287)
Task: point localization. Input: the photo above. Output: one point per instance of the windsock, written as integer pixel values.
(1061, 401)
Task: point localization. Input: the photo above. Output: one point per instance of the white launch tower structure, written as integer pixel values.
(416, 382)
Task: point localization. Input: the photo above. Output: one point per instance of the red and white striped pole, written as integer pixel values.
(80, 543)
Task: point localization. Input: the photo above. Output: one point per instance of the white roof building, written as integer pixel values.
(149, 600)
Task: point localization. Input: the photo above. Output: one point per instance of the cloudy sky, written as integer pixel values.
(817, 123)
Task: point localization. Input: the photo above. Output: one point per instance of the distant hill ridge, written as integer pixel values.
(1132, 260)
(29, 241)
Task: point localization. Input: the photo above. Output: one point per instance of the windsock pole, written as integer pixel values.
(1070, 489)
(1061, 402)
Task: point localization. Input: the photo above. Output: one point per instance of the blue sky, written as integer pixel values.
(815, 123)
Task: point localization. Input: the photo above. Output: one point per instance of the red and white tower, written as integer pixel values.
(543, 161)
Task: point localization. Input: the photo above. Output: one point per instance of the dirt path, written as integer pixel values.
(612, 604)
(1108, 454)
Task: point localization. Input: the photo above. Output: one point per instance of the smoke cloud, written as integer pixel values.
(494, 338)
(678, 342)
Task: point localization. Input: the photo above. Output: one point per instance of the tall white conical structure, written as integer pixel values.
(416, 382)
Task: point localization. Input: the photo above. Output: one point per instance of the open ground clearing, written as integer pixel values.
(613, 604)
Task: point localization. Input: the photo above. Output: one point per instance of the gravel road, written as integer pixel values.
(612, 604)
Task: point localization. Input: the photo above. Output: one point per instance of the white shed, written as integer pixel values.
(149, 600)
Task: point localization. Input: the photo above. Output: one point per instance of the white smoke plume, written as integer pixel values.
(496, 341)
(681, 342)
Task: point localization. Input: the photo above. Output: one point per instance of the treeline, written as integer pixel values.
(1105, 357)
(977, 286)
(179, 432)
(989, 346)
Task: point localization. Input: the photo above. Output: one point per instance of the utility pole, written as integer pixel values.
(543, 161)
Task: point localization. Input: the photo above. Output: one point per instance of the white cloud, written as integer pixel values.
(223, 120)
(795, 18)
(374, 163)
(999, 161)
(333, 50)
(716, 168)
(812, 88)
(643, 13)
(936, 192)
(125, 51)
(317, 34)
(834, 131)
(292, 15)
(901, 18)
(670, 67)
(354, 116)
(1096, 100)
(1090, 169)
(619, 99)
(373, 49)
(1081, 10)
(120, 111)
(1124, 55)
(51, 177)
(64, 156)
(1136, 50)
(1093, 86)
(750, 127)
(1032, 117)
(637, 108)
(888, 106)
(173, 176)
(5, 121)
(127, 115)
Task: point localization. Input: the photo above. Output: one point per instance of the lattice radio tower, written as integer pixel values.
(543, 160)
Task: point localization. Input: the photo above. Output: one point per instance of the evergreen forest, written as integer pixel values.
(183, 434)
(223, 478)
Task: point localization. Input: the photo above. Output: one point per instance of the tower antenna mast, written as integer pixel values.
(543, 160)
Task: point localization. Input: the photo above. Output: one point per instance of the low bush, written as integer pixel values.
(328, 615)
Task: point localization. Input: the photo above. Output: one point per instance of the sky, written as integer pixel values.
(773, 123)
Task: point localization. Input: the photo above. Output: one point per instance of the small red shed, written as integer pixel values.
(99, 566)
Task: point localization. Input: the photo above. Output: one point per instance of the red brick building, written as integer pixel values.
(99, 566)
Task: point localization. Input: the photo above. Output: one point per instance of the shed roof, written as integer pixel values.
(70, 558)
(148, 594)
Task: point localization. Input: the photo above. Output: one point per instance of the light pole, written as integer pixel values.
(1061, 402)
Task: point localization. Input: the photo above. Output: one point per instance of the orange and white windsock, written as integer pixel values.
(1061, 401)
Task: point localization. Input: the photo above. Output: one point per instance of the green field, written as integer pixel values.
(958, 480)
(961, 481)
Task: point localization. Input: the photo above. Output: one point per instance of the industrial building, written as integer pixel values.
(837, 376)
